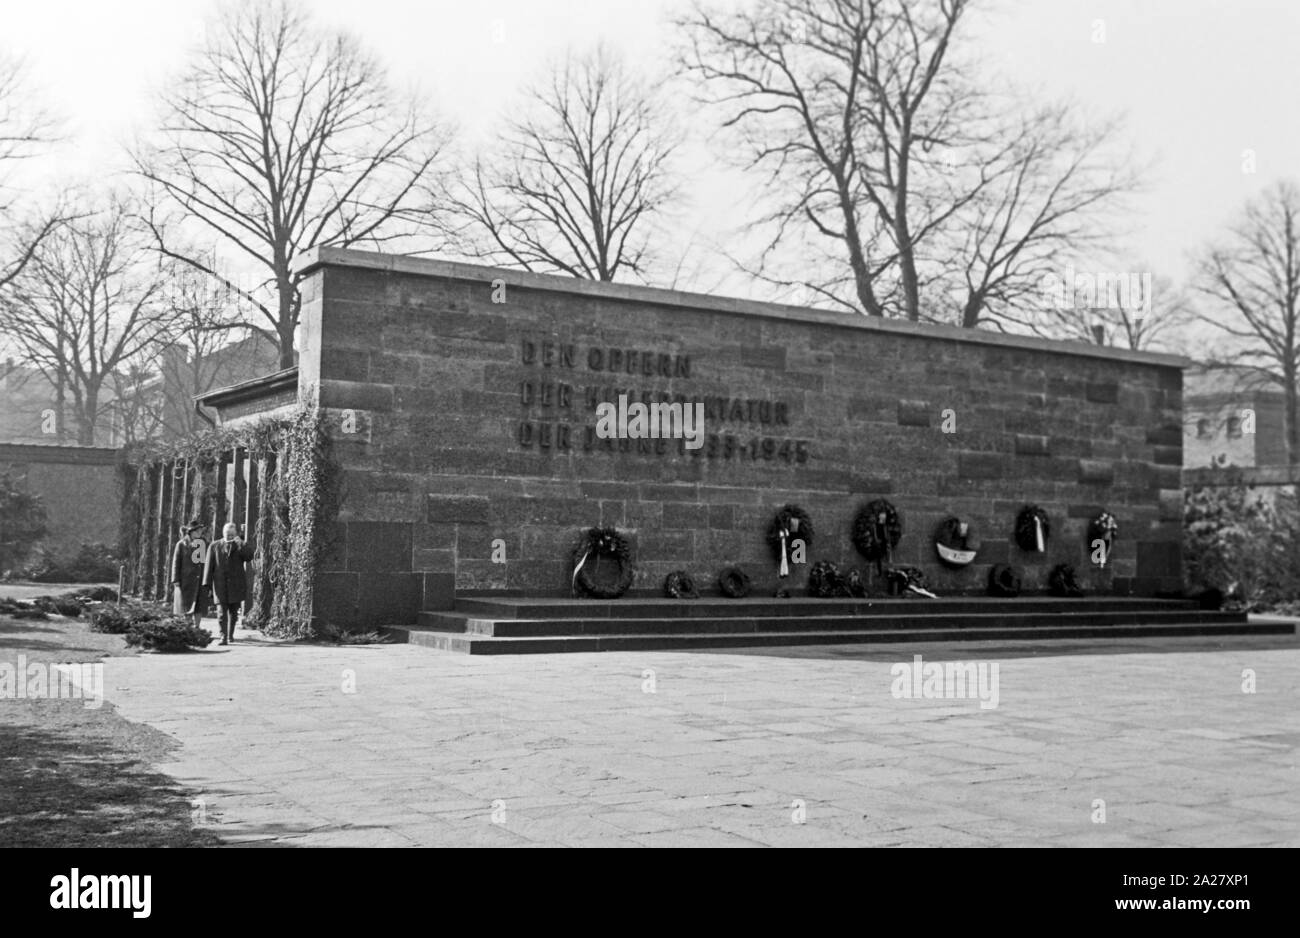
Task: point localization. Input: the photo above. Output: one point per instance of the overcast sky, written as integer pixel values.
(1200, 81)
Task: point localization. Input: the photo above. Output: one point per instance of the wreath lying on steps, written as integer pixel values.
(825, 581)
(1032, 529)
(907, 581)
(733, 582)
(1062, 582)
(877, 531)
(679, 585)
(594, 544)
(1003, 581)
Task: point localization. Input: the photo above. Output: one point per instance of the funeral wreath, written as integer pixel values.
(877, 531)
(955, 542)
(791, 523)
(1103, 528)
(1032, 529)
(733, 582)
(679, 585)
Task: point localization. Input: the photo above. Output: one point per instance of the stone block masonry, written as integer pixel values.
(79, 487)
(472, 428)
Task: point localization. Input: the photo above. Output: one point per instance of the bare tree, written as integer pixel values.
(1251, 286)
(281, 137)
(154, 396)
(1131, 309)
(135, 407)
(578, 185)
(86, 306)
(875, 138)
(202, 356)
(1035, 205)
(25, 129)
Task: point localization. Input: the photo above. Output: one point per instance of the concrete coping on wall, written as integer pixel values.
(1243, 475)
(319, 257)
(54, 453)
(250, 390)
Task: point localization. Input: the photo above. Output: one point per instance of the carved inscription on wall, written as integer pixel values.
(566, 383)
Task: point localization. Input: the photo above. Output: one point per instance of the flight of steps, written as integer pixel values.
(520, 625)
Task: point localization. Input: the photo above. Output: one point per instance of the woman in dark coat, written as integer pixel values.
(187, 573)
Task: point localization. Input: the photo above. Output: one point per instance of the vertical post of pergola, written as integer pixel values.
(185, 493)
(220, 504)
(252, 494)
(158, 578)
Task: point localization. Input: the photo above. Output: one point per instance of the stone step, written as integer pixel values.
(797, 607)
(476, 644)
(922, 617)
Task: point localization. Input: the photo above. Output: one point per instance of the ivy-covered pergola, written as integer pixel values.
(274, 477)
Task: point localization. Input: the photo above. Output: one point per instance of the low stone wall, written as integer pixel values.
(79, 486)
(463, 405)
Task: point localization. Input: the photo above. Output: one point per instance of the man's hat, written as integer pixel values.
(195, 523)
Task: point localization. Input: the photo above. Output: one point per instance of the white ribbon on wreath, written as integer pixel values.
(573, 583)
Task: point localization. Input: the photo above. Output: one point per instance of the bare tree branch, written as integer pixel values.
(26, 129)
(1250, 284)
(579, 185)
(281, 137)
(90, 303)
(872, 134)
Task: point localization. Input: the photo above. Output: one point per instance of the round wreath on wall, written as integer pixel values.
(791, 523)
(877, 531)
(1062, 581)
(955, 542)
(1033, 529)
(1003, 581)
(679, 585)
(1103, 528)
(596, 544)
(733, 582)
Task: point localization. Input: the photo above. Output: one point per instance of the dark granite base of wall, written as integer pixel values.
(385, 572)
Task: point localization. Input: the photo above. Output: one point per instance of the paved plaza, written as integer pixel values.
(1151, 743)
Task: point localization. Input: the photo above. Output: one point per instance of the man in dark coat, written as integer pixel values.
(226, 572)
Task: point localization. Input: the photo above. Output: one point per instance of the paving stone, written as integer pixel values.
(429, 742)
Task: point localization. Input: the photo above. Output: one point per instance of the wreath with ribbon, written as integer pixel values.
(955, 542)
(1032, 529)
(679, 585)
(1003, 581)
(877, 531)
(593, 545)
(790, 523)
(1104, 528)
(904, 580)
(734, 582)
(1062, 582)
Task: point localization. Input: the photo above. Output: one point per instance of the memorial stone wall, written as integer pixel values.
(462, 405)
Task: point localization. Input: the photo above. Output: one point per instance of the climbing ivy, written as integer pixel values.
(295, 528)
